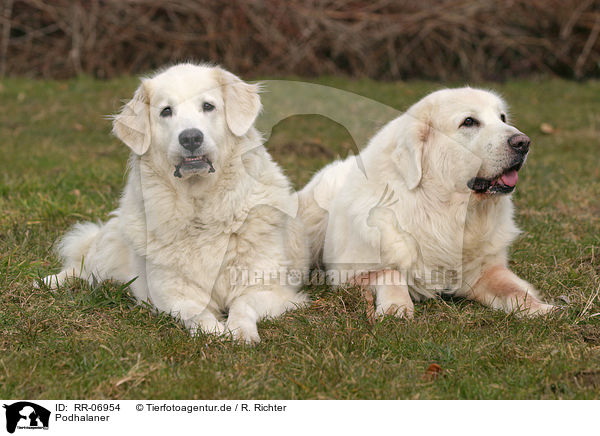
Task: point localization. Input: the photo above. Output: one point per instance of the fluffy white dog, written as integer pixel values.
(426, 207)
(206, 221)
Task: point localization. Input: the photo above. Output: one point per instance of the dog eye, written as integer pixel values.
(469, 122)
(207, 107)
(503, 118)
(166, 112)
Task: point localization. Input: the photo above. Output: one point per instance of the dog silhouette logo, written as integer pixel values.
(26, 415)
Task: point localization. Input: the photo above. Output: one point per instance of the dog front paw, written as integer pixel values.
(538, 309)
(205, 324)
(243, 331)
(397, 309)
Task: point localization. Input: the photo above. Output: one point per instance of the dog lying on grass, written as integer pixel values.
(203, 197)
(426, 207)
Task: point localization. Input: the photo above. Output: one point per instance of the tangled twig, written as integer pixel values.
(385, 39)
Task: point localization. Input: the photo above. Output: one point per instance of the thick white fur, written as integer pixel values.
(181, 236)
(408, 211)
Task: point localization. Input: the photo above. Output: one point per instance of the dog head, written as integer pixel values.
(186, 117)
(460, 139)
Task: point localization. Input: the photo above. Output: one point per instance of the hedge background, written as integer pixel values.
(385, 39)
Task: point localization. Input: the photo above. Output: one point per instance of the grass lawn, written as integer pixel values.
(59, 165)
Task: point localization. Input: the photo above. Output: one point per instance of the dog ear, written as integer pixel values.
(242, 103)
(408, 153)
(132, 124)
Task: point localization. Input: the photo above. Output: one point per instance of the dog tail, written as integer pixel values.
(72, 248)
(76, 244)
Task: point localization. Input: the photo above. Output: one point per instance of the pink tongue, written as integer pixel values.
(510, 178)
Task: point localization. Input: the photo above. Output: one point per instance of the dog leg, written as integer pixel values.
(139, 287)
(391, 291)
(172, 293)
(246, 310)
(197, 317)
(500, 288)
(392, 296)
(205, 322)
(398, 248)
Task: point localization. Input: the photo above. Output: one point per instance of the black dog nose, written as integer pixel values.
(520, 143)
(191, 139)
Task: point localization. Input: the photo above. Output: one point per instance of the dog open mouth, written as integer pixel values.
(503, 184)
(194, 164)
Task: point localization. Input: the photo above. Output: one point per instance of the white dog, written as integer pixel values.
(205, 222)
(425, 208)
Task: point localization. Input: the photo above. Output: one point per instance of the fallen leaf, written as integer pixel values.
(547, 128)
(433, 372)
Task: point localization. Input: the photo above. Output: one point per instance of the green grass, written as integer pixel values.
(59, 165)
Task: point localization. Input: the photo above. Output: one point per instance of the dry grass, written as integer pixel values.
(60, 165)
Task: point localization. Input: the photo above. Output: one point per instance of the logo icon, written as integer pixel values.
(26, 415)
